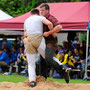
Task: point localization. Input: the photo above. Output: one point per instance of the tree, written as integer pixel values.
(17, 7)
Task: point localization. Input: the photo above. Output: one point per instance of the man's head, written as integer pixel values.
(76, 51)
(4, 44)
(61, 52)
(4, 38)
(34, 12)
(76, 38)
(44, 8)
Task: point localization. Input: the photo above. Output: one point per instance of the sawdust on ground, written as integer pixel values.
(43, 85)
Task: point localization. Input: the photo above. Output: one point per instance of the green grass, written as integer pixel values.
(12, 78)
(71, 81)
(17, 78)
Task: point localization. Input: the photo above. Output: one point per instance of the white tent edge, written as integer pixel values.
(4, 16)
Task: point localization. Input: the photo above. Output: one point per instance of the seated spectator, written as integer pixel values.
(5, 40)
(65, 45)
(7, 51)
(14, 54)
(14, 44)
(88, 62)
(70, 47)
(21, 60)
(4, 45)
(83, 48)
(4, 60)
(65, 59)
(19, 41)
(76, 43)
(59, 47)
(5, 48)
(77, 59)
(22, 43)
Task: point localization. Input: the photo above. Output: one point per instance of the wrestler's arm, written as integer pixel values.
(57, 26)
(53, 31)
(56, 29)
(48, 23)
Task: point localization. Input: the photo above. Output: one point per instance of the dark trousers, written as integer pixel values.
(4, 66)
(43, 67)
(49, 53)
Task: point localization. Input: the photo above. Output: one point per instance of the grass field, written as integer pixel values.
(17, 78)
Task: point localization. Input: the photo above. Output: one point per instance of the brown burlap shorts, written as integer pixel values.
(32, 43)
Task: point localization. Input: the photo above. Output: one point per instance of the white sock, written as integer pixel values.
(55, 59)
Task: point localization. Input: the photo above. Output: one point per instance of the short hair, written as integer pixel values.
(46, 6)
(76, 38)
(35, 11)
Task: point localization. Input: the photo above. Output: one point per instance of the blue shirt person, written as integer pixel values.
(7, 41)
(4, 57)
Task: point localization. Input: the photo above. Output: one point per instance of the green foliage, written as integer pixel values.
(83, 36)
(75, 0)
(17, 7)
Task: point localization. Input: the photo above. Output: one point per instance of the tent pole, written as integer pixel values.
(85, 75)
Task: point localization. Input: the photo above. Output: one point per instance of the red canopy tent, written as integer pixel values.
(72, 15)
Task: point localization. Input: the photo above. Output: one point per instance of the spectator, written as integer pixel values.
(65, 45)
(59, 47)
(77, 59)
(88, 62)
(22, 43)
(4, 60)
(14, 54)
(65, 59)
(15, 44)
(4, 45)
(83, 48)
(18, 41)
(5, 48)
(21, 60)
(70, 47)
(76, 42)
(7, 42)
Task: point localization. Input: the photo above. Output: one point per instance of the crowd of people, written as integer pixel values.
(72, 54)
(11, 53)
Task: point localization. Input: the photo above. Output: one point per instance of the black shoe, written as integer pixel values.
(66, 76)
(32, 84)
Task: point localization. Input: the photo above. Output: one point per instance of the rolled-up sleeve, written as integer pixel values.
(54, 21)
